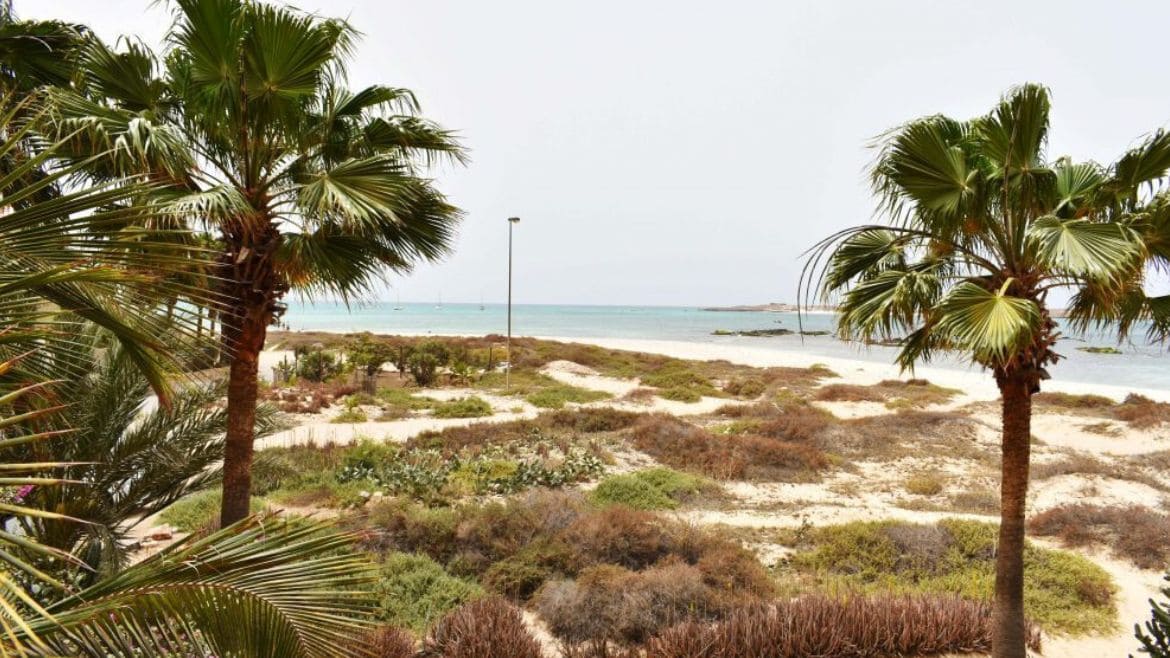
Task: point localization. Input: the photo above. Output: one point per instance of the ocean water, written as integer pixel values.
(1141, 365)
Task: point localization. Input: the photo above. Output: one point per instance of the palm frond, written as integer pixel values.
(990, 325)
(1098, 251)
(261, 588)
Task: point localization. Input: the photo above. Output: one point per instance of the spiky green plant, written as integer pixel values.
(982, 229)
(1155, 637)
(132, 458)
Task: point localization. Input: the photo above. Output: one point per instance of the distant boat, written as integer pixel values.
(397, 301)
(481, 306)
(439, 306)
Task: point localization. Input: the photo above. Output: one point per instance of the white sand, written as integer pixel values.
(853, 371)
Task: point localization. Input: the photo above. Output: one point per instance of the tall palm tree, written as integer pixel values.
(982, 229)
(80, 255)
(309, 185)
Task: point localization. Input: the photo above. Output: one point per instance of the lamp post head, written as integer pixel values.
(514, 220)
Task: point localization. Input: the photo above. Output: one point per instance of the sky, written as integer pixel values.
(687, 153)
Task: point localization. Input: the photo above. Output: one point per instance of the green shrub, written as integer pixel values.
(657, 488)
(1063, 592)
(200, 511)
(318, 365)
(680, 394)
(400, 397)
(632, 492)
(469, 407)
(520, 575)
(367, 354)
(352, 415)
(414, 592)
(924, 484)
(424, 362)
(749, 388)
(675, 374)
(320, 490)
(430, 475)
(557, 396)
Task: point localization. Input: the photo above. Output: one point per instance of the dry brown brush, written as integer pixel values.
(681, 445)
(1134, 532)
(858, 627)
(484, 628)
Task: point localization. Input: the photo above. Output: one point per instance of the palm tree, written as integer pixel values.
(74, 255)
(309, 185)
(983, 228)
(130, 458)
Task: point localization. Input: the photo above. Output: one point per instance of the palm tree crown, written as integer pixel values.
(983, 229)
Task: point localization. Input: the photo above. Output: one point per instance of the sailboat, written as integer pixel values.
(397, 301)
(481, 306)
(439, 306)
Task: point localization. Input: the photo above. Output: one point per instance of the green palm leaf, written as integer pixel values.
(262, 588)
(1100, 251)
(989, 325)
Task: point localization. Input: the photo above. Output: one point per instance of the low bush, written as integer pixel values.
(1063, 593)
(351, 415)
(848, 393)
(558, 395)
(748, 388)
(430, 475)
(469, 407)
(414, 592)
(384, 642)
(680, 394)
(516, 546)
(677, 374)
(424, 361)
(679, 444)
(592, 419)
(850, 627)
(318, 365)
(1133, 532)
(1142, 412)
(484, 628)
(656, 488)
(1082, 464)
(1071, 401)
(199, 512)
(925, 484)
(613, 604)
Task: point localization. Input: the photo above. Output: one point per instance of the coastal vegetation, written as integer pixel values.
(981, 226)
(401, 497)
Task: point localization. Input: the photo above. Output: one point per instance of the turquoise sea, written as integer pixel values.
(1141, 365)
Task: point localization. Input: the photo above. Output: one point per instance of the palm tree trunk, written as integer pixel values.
(254, 287)
(1008, 633)
(243, 377)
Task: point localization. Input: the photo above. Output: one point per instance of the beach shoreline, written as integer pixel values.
(974, 383)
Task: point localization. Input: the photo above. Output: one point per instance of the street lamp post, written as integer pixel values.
(508, 371)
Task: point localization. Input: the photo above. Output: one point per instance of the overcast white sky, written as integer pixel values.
(687, 152)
